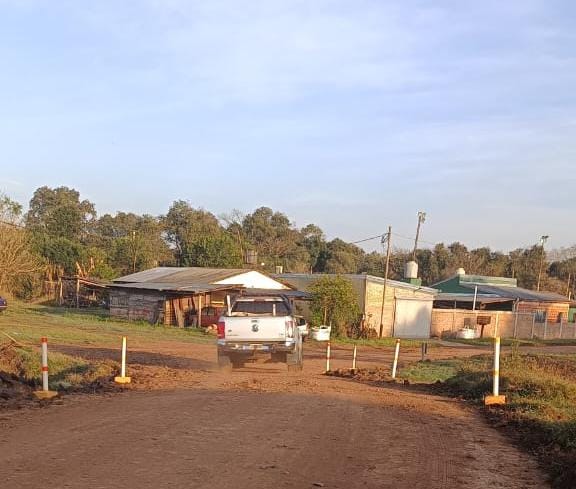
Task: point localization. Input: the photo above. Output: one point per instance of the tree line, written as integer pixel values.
(61, 234)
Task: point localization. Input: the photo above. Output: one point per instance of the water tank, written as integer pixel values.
(411, 270)
(460, 271)
(251, 257)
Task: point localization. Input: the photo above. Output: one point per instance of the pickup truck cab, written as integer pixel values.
(259, 325)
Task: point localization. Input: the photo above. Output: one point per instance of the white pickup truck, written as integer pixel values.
(257, 325)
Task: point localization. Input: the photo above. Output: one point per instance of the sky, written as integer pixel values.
(350, 114)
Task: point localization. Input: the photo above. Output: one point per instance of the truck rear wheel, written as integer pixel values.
(295, 360)
(224, 362)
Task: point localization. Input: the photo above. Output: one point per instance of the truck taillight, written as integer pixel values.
(290, 329)
(221, 330)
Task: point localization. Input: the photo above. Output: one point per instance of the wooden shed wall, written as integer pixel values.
(136, 305)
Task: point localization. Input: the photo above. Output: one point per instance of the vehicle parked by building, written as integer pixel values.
(259, 325)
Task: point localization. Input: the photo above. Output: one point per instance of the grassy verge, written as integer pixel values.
(382, 342)
(541, 401)
(28, 322)
(513, 342)
(67, 373)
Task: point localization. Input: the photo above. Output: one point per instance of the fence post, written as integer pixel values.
(545, 327)
(516, 325)
(561, 326)
(533, 326)
(495, 398)
(395, 363)
(496, 332)
(122, 379)
(45, 393)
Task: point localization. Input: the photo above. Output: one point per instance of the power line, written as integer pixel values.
(367, 239)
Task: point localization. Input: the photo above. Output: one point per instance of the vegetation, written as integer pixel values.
(66, 372)
(63, 234)
(334, 303)
(28, 322)
(541, 401)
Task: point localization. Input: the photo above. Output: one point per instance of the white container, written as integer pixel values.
(466, 334)
(321, 333)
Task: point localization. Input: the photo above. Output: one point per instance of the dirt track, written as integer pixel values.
(184, 425)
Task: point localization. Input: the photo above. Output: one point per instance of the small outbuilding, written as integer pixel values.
(184, 296)
(406, 311)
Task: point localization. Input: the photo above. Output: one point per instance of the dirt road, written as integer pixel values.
(184, 425)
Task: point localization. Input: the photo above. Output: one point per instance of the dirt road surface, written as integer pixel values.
(184, 425)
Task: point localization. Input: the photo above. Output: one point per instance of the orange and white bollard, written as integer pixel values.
(354, 359)
(122, 379)
(328, 357)
(45, 393)
(495, 398)
(396, 354)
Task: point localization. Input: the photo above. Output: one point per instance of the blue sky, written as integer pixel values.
(351, 114)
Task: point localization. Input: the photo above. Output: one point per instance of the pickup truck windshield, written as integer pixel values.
(262, 307)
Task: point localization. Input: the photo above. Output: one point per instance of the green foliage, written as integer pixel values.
(60, 213)
(334, 303)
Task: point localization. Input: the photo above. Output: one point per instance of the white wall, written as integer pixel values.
(253, 280)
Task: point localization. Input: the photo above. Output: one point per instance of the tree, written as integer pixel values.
(60, 213)
(276, 240)
(341, 257)
(18, 262)
(198, 239)
(334, 303)
(314, 241)
(10, 210)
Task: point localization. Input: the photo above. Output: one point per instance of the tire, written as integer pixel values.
(224, 362)
(295, 360)
(278, 357)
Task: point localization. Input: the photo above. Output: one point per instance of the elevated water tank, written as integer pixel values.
(411, 270)
(460, 271)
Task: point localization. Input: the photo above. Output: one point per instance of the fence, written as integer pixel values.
(521, 325)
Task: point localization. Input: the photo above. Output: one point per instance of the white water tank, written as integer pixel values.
(411, 270)
(460, 271)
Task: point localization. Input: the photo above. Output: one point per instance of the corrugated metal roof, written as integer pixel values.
(182, 275)
(293, 294)
(519, 293)
(357, 276)
(171, 287)
(480, 298)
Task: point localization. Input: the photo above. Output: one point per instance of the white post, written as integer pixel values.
(45, 364)
(354, 359)
(496, 387)
(516, 325)
(561, 326)
(328, 357)
(533, 325)
(475, 297)
(395, 364)
(123, 370)
(45, 393)
(122, 379)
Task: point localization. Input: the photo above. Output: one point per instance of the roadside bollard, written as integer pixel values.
(396, 354)
(328, 357)
(122, 379)
(353, 369)
(45, 393)
(495, 398)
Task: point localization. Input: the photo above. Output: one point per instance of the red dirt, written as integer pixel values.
(183, 424)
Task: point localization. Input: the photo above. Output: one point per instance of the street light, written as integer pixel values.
(543, 240)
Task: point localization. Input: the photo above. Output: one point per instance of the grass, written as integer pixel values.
(513, 342)
(382, 342)
(66, 372)
(541, 401)
(27, 323)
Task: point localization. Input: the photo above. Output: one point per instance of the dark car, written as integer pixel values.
(3, 304)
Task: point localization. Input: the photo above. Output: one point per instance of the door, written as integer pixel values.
(412, 318)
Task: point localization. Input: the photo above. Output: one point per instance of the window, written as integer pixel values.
(261, 307)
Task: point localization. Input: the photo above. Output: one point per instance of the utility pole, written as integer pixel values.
(543, 240)
(388, 239)
(421, 220)
(133, 251)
